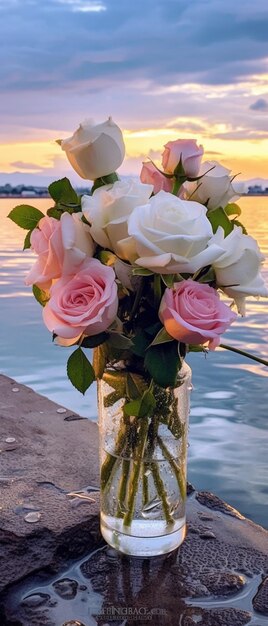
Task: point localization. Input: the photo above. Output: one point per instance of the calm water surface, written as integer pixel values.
(228, 451)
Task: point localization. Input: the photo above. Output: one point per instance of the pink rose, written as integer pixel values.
(150, 175)
(188, 150)
(46, 242)
(83, 303)
(193, 313)
(61, 246)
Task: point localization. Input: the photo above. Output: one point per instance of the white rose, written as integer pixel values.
(76, 240)
(238, 268)
(216, 188)
(171, 235)
(108, 210)
(95, 151)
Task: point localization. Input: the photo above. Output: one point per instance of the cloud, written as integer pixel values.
(171, 66)
(83, 6)
(25, 166)
(99, 44)
(260, 105)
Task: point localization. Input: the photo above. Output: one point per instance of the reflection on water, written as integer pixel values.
(229, 426)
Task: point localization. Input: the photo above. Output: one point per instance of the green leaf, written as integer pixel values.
(135, 384)
(54, 212)
(168, 280)
(111, 399)
(173, 423)
(119, 341)
(161, 337)
(218, 217)
(141, 271)
(80, 371)
(197, 348)
(208, 276)
(95, 340)
(62, 191)
(116, 380)
(104, 180)
(153, 329)
(40, 295)
(237, 223)
(107, 258)
(232, 209)
(142, 407)
(141, 342)
(25, 216)
(163, 362)
(27, 241)
(100, 359)
(179, 171)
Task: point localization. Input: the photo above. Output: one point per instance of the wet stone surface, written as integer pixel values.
(260, 601)
(55, 572)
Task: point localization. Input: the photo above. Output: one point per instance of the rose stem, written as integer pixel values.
(135, 474)
(110, 460)
(249, 356)
(122, 491)
(175, 467)
(176, 187)
(145, 485)
(161, 491)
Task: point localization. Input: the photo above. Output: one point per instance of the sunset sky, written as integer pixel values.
(162, 68)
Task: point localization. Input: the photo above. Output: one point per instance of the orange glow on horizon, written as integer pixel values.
(248, 156)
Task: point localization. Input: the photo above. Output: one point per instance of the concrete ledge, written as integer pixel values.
(217, 578)
(53, 454)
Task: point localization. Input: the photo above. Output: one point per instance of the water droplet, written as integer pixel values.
(82, 495)
(208, 535)
(73, 622)
(32, 517)
(66, 588)
(23, 508)
(35, 599)
(10, 439)
(15, 389)
(205, 517)
(147, 473)
(61, 410)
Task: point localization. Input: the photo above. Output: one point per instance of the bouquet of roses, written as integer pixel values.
(136, 270)
(136, 255)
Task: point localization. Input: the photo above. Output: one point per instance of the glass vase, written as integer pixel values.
(143, 462)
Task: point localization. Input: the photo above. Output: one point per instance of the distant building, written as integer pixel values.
(255, 189)
(28, 194)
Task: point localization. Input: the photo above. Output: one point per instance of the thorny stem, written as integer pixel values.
(249, 356)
